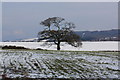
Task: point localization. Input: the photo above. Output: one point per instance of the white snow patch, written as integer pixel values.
(87, 46)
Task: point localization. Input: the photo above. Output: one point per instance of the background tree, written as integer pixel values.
(58, 30)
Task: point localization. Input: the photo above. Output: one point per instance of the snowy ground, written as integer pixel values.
(59, 64)
(87, 46)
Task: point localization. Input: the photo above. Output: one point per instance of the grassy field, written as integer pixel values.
(58, 64)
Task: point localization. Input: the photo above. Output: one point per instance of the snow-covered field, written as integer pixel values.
(87, 46)
(58, 64)
(83, 62)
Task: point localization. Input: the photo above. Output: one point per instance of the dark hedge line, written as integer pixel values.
(18, 47)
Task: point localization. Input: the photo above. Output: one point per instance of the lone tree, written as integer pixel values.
(58, 30)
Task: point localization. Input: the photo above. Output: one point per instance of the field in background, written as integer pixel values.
(87, 46)
(58, 64)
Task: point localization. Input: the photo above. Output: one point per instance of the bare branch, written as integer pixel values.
(58, 30)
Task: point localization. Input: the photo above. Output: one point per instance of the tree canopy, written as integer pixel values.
(57, 30)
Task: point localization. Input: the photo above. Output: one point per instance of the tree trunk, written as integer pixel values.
(58, 46)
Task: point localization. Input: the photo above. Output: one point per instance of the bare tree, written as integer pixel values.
(58, 30)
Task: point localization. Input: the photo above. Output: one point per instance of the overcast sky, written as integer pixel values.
(21, 19)
(60, 0)
(0, 21)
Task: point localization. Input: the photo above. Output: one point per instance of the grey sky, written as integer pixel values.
(21, 19)
(0, 21)
(60, 0)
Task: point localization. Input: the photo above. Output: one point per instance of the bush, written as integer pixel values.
(18, 47)
(13, 47)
